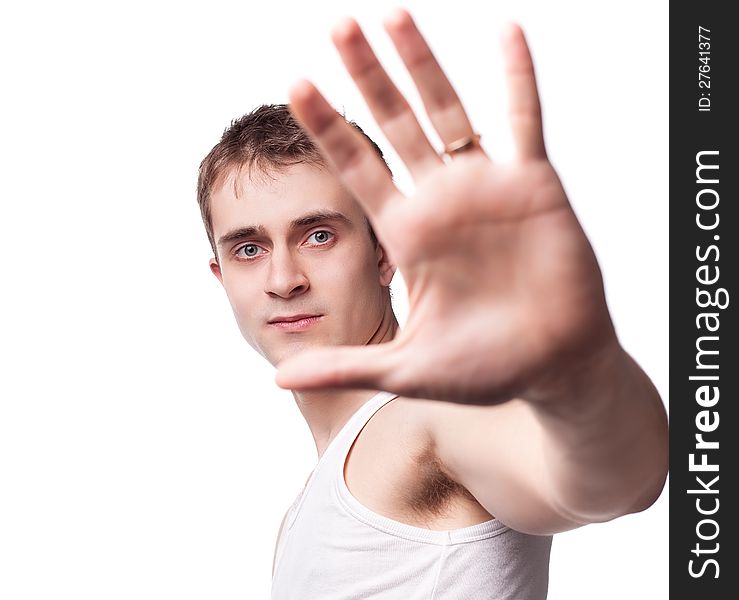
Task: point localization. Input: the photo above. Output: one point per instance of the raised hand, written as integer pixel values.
(505, 293)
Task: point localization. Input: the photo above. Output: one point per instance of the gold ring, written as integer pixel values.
(462, 144)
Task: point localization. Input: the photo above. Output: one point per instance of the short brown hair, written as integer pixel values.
(268, 138)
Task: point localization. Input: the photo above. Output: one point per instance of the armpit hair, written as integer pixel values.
(437, 491)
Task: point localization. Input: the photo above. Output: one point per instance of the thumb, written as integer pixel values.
(363, 367)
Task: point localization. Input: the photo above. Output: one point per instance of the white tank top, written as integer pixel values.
(332, 547)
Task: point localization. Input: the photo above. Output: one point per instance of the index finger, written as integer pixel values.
(358, 165)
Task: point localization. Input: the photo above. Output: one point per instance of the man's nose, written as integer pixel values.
(286, 276)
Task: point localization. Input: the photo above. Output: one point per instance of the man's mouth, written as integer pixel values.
(295, 322)
(292, 318)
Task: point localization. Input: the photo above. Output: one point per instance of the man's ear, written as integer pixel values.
(216, 269)
(385, 265)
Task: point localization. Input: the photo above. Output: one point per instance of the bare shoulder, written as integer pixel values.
(459, 436)
(435, 491)
(440, 423)
(495, 453)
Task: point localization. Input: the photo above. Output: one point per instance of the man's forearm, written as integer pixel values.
(605, 439)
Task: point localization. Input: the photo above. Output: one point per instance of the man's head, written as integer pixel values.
(288, 238)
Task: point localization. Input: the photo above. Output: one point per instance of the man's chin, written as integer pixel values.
(291, 349)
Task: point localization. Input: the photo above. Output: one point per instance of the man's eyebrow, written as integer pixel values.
(311, 218)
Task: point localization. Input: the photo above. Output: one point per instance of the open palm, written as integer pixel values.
(505, 293)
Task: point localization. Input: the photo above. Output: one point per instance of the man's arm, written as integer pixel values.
(593, 451)
(506, 300)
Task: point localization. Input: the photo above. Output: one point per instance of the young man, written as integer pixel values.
(504, 411)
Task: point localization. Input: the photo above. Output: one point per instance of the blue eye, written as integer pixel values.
(323, 235)
(248, 248)
(251, 251)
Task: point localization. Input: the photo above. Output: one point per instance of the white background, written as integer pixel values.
(145, 451)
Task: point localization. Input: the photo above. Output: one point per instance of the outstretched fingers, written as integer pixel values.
(388, 106)
(440, 100)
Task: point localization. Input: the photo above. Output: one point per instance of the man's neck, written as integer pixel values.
(327, 411)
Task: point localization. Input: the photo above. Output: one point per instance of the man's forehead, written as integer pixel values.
(291, 183)
(277, 199)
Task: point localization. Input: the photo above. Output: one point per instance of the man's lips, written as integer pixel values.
(292, 318)
(296, 322)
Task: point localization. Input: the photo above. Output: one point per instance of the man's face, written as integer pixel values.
(278, 266)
